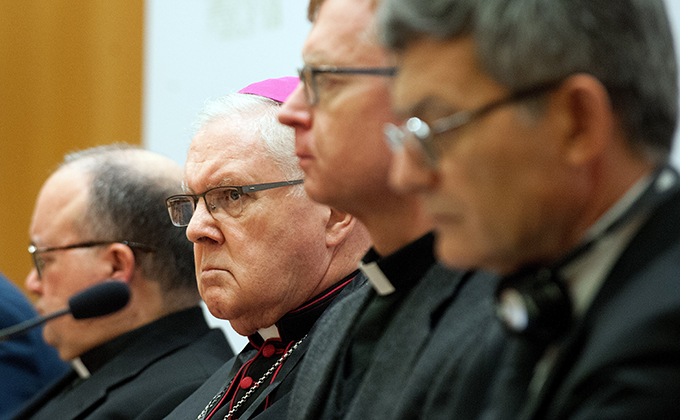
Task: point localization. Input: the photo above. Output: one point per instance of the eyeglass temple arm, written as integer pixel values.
(260, 187)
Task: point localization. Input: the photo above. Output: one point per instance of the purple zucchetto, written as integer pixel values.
(275, 89)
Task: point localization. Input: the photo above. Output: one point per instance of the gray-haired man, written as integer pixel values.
(101, 216)
(268, 258)
(537, 134)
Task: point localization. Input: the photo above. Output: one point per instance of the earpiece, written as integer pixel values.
(534, 303)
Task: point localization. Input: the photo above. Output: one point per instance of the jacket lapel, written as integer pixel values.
(330, 333)
(403, 341)
(659, 234)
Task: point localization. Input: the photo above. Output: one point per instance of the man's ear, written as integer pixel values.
(121, 260)
(590, 118)
(339, 226)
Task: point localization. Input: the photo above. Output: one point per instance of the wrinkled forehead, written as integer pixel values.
(224, 153)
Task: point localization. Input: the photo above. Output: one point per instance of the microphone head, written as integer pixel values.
(99, 300)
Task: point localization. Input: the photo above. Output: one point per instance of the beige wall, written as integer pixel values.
(70, 78)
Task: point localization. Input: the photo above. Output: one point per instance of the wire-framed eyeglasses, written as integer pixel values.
(421, 137)
(219, 201)
(39, 261)
(308, 77)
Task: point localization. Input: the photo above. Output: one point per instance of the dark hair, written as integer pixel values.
(127, 202)
(626, 44)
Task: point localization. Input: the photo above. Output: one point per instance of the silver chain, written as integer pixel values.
(253, 387)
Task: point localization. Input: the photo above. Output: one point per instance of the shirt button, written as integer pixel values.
(268, 350)
(246, 382)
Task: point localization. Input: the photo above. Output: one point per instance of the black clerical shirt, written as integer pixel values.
(404, 269)
(263, 352)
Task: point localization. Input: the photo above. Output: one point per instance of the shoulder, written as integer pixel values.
(14, 306)
(159, 380)
(34, 364)
(194, 403)
(626, 344)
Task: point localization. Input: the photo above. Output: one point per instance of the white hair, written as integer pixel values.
(260, 116)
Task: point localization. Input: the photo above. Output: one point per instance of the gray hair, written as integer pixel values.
(626, 44)
(126, 202)
(259, 115)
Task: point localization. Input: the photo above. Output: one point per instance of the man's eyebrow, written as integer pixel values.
(225, 182)
(315, 59)
(424, 107)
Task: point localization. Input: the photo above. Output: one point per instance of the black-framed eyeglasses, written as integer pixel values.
(420, 136)
(39, 262)
(219, 201)
(308, 77)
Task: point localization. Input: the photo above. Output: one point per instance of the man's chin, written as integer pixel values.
(314, 189)
(242, 328)
(51, 339)
(454, 252)
(325, 194)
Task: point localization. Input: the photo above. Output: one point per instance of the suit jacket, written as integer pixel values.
(622, 360)
(389, 377)
(281, 385)
(27, 363)
(170, 359)
(463, 334)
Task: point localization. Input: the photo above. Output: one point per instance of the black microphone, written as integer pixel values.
(99, 300)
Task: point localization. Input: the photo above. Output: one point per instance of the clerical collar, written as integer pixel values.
(400, 269)
(297, 323)
(80, 368)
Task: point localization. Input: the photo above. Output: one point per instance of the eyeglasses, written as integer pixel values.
(39, 262)
(420, 136)
(218, 201)
(308, 77)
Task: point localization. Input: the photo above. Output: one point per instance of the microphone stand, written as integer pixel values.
(15, 329)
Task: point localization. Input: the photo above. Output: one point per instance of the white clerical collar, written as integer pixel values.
(378, 279)
(80, 368)
(269, 333)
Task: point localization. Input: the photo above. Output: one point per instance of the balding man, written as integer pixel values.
(101, 216)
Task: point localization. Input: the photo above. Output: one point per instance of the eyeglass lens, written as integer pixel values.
(419, 142)
(218, 200)
(38, 263)
(307, 80)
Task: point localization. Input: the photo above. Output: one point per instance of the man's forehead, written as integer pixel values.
(218, 158)
(223, 140)
(223, 171)
(195, 185)
(61, 203)
(448, 63)
(342, 34)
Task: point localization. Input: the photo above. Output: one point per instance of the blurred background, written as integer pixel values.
(80, 73)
